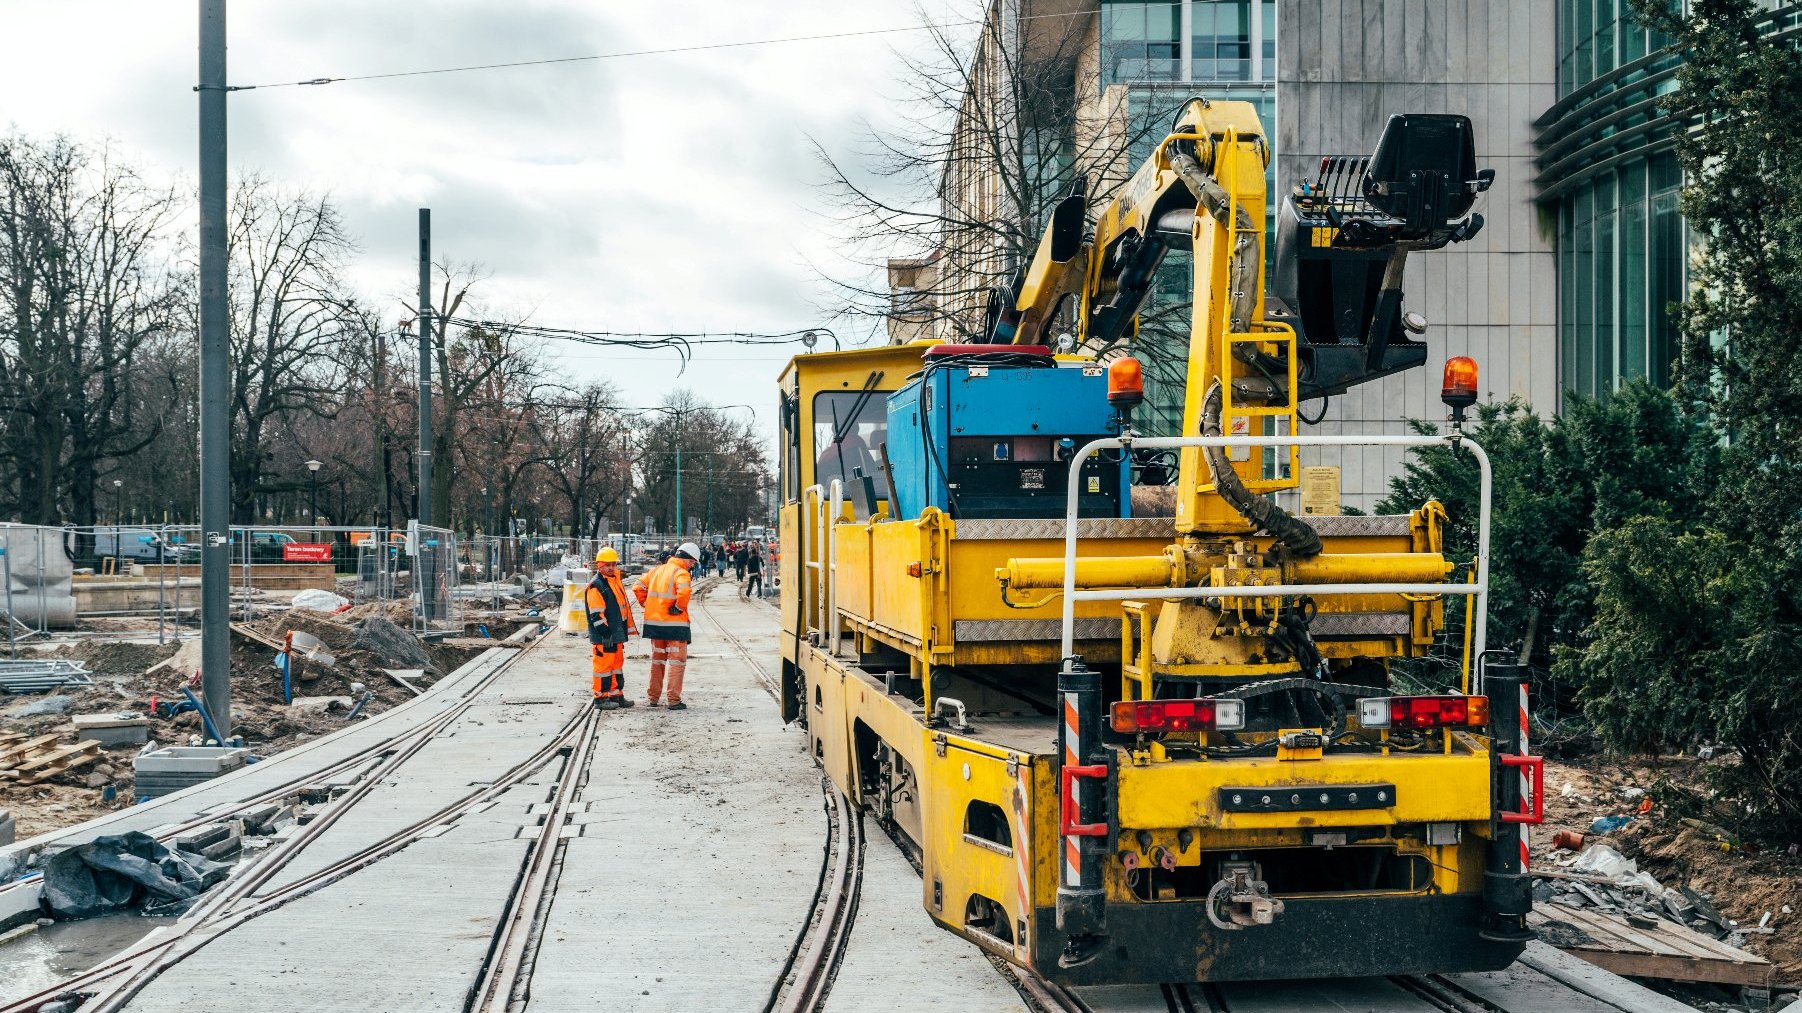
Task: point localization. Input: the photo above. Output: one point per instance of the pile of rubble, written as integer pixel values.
(1603, 879)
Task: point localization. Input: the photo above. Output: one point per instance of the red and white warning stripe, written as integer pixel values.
(1023, 860)
(1526, 780)
(1072, 757)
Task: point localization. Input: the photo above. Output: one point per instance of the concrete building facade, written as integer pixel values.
(1343, 67)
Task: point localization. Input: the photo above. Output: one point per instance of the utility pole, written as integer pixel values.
(215, 385)
(378, 397)
(425, 367)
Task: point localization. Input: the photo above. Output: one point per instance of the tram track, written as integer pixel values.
(819, 947)
(1412, 993)
(110, 985)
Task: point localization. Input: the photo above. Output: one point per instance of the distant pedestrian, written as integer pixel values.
(741, 557)
(754, 571)
(722, 557)
(664, 593)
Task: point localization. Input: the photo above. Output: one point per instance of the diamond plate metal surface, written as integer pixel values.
(1375, 526)
(1360, 624)
(994, 529)
(976, 631)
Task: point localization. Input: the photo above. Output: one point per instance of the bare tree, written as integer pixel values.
(85, 282)
(288, 321)
(586, 445)
(996, 129)
(724, 473)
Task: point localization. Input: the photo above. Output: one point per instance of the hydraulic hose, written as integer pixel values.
(1211, 197)
(1290, 531)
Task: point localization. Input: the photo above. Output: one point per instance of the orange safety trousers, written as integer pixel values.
(609, 671)
(669, 658)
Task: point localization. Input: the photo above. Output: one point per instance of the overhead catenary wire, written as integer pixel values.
(629, 53)
(680, 342)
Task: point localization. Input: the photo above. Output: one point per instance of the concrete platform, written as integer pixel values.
(700, 846)
(891, 964)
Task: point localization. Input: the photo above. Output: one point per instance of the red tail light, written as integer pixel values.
(1207, 714)
(1424, 712)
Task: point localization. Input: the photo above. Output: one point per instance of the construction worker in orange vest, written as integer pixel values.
(664, 594)
(609, 624)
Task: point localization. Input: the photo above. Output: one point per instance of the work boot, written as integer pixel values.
(678, 706)
(652, 702)
(605, 703)
(624, 702)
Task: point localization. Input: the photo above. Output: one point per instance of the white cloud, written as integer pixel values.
(652, 192)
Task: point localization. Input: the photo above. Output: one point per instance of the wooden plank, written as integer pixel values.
(1669, 951)
(249, 634)
(1620, 933)
(1587, 979)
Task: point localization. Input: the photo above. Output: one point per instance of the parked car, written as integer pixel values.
(142, 544)
(265, 546)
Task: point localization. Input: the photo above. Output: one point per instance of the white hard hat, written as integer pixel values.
(690, 549)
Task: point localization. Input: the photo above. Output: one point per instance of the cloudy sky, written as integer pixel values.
(666, 192)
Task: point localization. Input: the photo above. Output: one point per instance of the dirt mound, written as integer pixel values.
(399, 613)
(389, 645)
(115, 657)
(1743, 880)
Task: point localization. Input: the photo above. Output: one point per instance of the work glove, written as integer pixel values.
(676, 610)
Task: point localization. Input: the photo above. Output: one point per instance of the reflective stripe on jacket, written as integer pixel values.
(664, 594)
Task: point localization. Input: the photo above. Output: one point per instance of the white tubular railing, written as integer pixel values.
(809, 523)
(1480, 589)
(835, 509)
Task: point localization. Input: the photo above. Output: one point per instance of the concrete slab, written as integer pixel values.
(898, 958)
(701, 848)
(1326, 995)
(408, 934)
(411, 931)
(250, 781)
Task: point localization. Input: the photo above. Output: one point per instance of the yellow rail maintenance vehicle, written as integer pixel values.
(1131, 740)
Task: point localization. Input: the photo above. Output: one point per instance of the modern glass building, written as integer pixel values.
(1608, 171)
(1162, 53)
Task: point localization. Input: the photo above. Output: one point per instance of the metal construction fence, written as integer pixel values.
(138, 580)
(78, 578)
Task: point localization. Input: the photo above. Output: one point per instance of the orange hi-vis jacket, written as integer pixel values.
(664, 594)
(597, 602)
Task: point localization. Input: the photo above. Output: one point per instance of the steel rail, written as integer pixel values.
(820, 948)
(391, 753)
(361, 757)
(506, 974)
(195, 937)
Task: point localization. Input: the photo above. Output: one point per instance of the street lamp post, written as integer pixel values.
(313, 495)
(118, 515)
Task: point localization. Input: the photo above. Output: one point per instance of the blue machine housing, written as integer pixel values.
(986, 441)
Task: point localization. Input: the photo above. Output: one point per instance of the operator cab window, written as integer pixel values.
(849, 427)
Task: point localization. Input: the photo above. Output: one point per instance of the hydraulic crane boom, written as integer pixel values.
(1335, 316)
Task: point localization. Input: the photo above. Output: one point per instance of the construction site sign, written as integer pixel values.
(307, 552)
(1320, 490)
